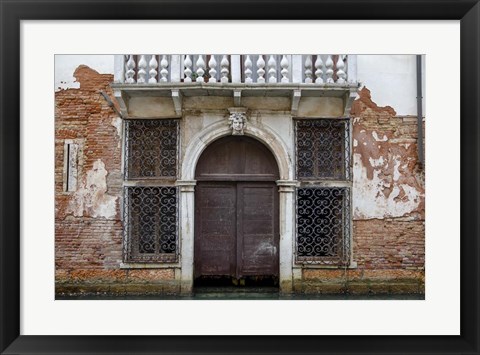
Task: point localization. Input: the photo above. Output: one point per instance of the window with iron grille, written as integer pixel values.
(151, 149)
(151, 205)
(323, 149)
(323, 216)
(323, 225)
(151, 223)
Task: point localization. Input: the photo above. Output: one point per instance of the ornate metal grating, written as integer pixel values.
(151, 219)
(151, 149)
(323, 225)
(323, 149)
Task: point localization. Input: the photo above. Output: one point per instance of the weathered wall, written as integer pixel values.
(388, 208)
(65, 65)
(88, 227)
(392, 80)
(387, 179)
(388, 193)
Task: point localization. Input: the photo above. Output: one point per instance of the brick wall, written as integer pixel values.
(88, 227)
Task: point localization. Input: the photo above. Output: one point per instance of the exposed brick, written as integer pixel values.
(389, 244)
(150, 275)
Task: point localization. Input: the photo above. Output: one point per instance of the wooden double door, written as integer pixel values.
(237, 229)
(236, 212)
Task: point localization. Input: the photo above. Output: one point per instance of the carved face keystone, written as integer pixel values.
(237, 122)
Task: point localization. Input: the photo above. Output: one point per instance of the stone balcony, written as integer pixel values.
(142, 80)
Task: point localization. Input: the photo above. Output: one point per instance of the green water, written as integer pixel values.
(245, 294)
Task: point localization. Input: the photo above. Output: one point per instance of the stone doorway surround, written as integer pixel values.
(286, 185)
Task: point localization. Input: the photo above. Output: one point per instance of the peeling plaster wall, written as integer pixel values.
(88, 229)
(91, 199)
(387, 181)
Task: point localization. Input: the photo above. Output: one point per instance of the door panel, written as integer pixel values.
(236, 211)
(236, 229)
(215, 229)
(257, 236)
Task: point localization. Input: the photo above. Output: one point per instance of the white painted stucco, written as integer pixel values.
(368, 199)
(392, 80)
(91, 198)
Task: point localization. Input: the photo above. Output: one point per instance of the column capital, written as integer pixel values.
(186, 185)
(286, 185)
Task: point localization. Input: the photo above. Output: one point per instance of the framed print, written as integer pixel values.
(234, 202)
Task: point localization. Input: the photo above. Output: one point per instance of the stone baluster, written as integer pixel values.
(272, 69)
(248, 69)
(152, 72)
(224, 69)
(284, 72)
(130, 74)
(319, 71)
(329, 71)
(212, 64)
(164, 70)
(261, 69)
(188, 69)
(200, 69)
(142, 70)
(341, 75)
(308, 70)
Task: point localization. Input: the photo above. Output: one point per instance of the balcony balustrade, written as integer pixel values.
(146, 84)
(257, 69)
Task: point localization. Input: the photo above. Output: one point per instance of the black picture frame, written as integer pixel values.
(12, 12)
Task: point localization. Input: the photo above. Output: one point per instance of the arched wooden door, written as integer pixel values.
(236, 211)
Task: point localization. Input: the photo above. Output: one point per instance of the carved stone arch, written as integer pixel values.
(217, 130)
(285, 184)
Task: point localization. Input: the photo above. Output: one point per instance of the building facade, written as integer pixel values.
(186, 170)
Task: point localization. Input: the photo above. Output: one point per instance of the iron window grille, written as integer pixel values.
(151, 224)
(323, 149)
(151, 206)
(323, 225)
(151, 149)
(323, 208)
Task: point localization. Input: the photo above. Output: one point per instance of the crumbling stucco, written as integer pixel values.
(91, 199)
(387, 181)
(117, 123)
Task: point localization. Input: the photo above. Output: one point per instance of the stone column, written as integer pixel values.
(286, 189)
(186, 233)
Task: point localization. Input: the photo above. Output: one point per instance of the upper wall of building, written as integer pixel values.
(391, 79)
(387, 181)
(65, 66)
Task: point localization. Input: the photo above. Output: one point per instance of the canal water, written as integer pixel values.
(264, 293)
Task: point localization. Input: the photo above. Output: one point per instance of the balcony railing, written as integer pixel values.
(261, 69)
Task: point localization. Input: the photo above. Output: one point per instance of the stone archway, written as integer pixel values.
(286, 190)
(217, 130)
